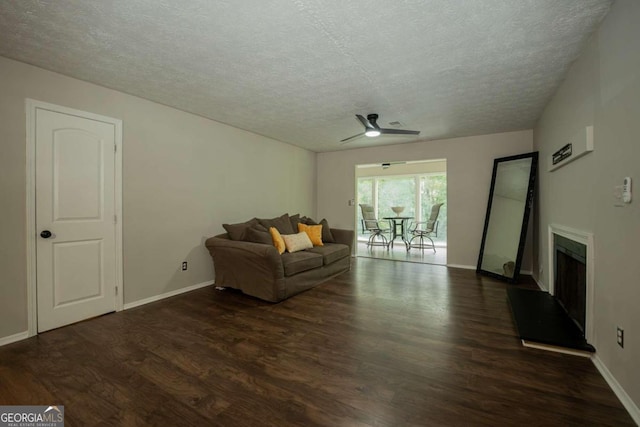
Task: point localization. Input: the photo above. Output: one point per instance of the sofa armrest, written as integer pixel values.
(346, 237)
(254, 268)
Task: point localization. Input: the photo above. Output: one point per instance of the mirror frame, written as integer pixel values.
(525, 219)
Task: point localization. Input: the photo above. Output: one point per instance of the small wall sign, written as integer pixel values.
(562, 154)
(580, 144)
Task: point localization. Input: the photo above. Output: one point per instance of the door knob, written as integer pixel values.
(45, 234)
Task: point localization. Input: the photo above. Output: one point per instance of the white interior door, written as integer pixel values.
(75, 218)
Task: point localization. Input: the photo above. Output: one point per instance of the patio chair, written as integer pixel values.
(424, 230)
(377, 233)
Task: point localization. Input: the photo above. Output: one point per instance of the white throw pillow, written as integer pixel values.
(297, 242)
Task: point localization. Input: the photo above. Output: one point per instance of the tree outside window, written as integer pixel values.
(396, 192)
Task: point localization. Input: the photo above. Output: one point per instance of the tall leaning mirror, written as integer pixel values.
(508, 208)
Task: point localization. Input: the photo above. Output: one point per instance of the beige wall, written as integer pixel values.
(469, 167)
(183, 176)
(602, 89)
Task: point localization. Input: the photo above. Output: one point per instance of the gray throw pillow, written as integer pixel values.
(327, 237)
(308, 221)
(295, 220)
(257, 236)
(237, 231)
(281, 223)
(260, 227)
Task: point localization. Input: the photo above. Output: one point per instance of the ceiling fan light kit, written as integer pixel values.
(371, 129)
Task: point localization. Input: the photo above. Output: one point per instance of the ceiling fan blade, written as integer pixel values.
(364, 121)
(351, 137)
(399, 132)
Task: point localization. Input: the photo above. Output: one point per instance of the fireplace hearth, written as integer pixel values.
(543, 322)
(559, 319)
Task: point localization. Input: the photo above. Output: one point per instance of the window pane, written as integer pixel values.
(365, 195)
(365, 190)
(433, 189)
(396, 192)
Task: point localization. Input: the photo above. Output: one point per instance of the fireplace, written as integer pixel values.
(571, 274)
(561, 319)
(570, 278)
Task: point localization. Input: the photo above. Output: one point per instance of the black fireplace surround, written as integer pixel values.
(570, 281)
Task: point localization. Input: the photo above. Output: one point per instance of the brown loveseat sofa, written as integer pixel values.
(245, 258)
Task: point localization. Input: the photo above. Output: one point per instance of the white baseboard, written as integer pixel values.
(474, 267)
(24, 335)
(14, 338)
(626, 401)
(167, 294)
(540, 285)
(466, 267)
(556, 349)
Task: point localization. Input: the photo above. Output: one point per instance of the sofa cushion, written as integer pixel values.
(282, 223)
(297, 242)
(298, 262)
(237, 231)
(330, 252)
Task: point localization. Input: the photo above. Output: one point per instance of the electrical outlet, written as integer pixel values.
(184, 266)
(620, 337)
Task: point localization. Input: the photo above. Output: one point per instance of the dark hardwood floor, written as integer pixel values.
(387, 344)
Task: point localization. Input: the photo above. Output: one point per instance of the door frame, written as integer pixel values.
(32, 106)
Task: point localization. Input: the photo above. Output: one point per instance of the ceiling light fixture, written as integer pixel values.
(371, 129)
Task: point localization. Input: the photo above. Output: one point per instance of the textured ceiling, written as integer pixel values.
(299, 70)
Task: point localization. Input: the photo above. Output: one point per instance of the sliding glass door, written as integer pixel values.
(417, 193)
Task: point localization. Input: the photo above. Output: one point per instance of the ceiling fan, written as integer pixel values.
(372, 129)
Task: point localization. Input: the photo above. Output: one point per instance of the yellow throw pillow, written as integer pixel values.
(313, 231)
(278, 241)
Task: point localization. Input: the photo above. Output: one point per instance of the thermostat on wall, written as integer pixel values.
(626, 190)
